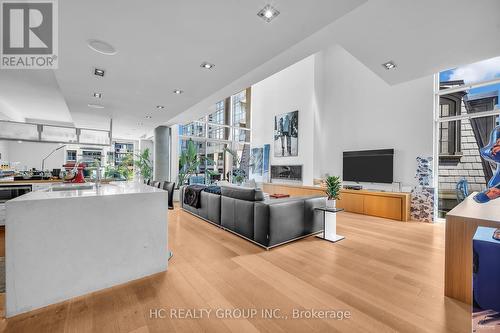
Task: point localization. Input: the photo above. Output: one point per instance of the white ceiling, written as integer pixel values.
(423, 37)
(32, 94)
(161, 45)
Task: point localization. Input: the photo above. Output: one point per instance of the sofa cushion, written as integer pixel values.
(238, 216)
(213, 189)
(281, 220)
(210, 208)
(314, 219)
(286, 221)
(242, 193)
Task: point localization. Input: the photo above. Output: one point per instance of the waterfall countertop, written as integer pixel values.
(64, 191)
(461, 224)
(470, 209)
(73, 239)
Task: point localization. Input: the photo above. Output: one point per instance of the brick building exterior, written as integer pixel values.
(460, 140)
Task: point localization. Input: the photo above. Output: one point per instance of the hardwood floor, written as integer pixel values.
(388, 274)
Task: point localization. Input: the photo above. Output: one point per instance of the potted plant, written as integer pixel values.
(126, 167)
(144, 165)
(333, 186)
(188, 163)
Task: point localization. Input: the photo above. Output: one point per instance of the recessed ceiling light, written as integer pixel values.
(178, 91)
(95, 106)
(99, 72)
(97, 95)
(19, 141)
(140, 124)
(268, 13)
(159, 107)
(207, 65)
(148, 117)
(101, 47)
(389, 65)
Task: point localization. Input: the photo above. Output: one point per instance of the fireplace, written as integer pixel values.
(286, 172)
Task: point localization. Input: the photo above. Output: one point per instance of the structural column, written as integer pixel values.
(162, 138)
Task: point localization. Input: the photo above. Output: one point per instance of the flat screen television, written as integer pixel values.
(369, 166)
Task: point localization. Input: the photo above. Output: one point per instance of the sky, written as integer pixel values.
(479, 71)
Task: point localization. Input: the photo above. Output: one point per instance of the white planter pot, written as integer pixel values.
(330, 203)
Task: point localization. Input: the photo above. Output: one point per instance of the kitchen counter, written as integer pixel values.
(65, 243)
(489, 211)
(461, 225)
(70, 190)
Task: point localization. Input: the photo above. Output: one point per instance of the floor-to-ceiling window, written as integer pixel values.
(221, 141)
(466, 104)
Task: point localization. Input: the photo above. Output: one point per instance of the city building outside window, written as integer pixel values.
(466, 112)
(222, 140)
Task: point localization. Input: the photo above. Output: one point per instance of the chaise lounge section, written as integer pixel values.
(265, 222)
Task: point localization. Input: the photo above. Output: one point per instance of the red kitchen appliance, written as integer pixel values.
(74, 172)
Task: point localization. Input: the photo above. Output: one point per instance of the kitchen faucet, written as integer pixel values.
(52, 152)
(97, 166)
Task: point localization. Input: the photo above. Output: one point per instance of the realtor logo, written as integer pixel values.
(29, 34)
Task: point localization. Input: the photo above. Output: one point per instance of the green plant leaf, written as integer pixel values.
(333, 187)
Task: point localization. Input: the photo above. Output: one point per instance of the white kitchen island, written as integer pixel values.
(68, 242)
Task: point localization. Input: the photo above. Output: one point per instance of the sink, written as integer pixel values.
(71, 187)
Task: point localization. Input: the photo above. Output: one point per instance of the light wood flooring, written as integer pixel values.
(388, 274)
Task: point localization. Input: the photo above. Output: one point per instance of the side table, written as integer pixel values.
(330, 224)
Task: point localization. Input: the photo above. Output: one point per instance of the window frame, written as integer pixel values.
(453, 153)
(438, 119)
(223, 110)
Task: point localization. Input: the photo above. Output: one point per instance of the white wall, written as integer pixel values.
(345, 106)
(30, 155)
(361, 111)
(289, 90)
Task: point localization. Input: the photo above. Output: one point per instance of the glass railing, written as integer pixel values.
(10, 130)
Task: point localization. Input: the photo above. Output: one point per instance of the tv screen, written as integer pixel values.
(369, 166)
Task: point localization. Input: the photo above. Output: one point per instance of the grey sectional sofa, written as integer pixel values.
(265, 222)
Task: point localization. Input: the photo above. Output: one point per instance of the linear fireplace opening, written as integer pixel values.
(286, 173)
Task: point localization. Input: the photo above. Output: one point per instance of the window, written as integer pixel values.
(196, 129)
(71, 156)
(449, 131)
(216, 161)
(123, 152)
(218, 117)
(467, 110)
(239, 109)
(193, 172)
(217, 132)
(241, 135)
(225, 130)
